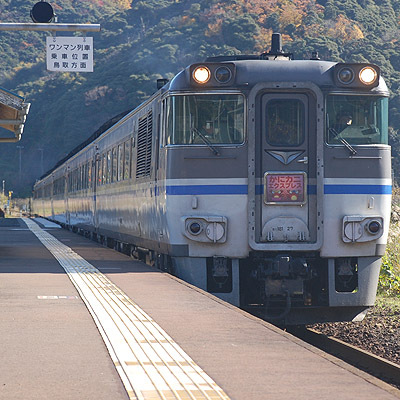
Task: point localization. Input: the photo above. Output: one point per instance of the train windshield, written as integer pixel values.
(205, 119)
(357, 119)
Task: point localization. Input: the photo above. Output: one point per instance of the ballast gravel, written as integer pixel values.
(378, 333)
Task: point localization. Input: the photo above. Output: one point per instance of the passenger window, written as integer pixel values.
(83, 177)
(120, 162)
(127, 159)
(98, 171)
(89, 175)
(79, 179)
(109, 166)
(114, 164)
(103, 180)
(285, 122)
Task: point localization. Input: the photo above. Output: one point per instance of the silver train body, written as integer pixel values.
(263, 180)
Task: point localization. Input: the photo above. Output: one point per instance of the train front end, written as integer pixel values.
(291, 214)
(319, 192)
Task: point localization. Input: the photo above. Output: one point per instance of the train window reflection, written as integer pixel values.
(197, 119)
(120, 162)
(357, 119)
(285, 122)
(114, 165)
(104, 171)
(127, 160)
(109, 167)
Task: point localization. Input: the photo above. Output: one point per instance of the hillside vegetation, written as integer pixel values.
(145, 40)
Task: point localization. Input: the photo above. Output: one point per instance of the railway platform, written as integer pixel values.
(81, 321)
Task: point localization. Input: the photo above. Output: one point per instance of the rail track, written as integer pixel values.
(378, 367)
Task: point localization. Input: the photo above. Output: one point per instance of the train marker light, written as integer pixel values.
(368, 75)
(374, 227)
(201, 74)
(223, 74)
(345, 75)
(195, 228)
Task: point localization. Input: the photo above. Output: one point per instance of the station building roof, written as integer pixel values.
(13, 112)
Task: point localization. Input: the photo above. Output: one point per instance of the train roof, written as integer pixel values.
(252, 70)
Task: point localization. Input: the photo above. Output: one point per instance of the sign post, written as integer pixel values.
(69, 54)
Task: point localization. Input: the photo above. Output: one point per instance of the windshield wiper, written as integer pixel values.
(352, 150)
(206, 141)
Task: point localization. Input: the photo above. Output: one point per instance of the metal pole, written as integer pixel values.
(8, 26)
(4, 183)
(41, 161)
(20, 161)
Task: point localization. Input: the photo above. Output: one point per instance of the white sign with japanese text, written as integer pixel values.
(69, 54)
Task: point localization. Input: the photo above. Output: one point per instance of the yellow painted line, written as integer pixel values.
(57, 297)
(151, 365)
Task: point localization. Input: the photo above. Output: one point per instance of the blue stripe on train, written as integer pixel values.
(206, 189)
(357, 189)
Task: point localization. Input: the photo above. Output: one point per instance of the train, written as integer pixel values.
(261, 179)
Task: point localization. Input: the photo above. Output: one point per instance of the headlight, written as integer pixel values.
(211, 74)
(356, 75)
(368, 75)
(201, 74)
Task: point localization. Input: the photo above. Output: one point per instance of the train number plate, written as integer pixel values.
(285, 189)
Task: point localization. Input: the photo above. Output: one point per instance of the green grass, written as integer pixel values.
(389, 278)
(388, 303)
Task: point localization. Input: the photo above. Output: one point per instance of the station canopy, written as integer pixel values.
(13, 112)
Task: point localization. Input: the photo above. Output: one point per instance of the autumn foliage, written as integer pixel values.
(288, 16)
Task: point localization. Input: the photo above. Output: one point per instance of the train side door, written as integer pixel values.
(285, 165)
(52, 197)
(93, 184)
(66, 195)
(97, 172)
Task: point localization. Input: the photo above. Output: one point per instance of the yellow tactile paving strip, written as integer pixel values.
(151, 365)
